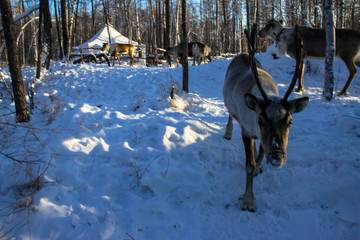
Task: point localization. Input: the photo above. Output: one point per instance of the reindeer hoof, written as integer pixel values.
(343, 93)
(248, 203)
(299, 90)
(227, 137)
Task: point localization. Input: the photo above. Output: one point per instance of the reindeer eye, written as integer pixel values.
(290, 122)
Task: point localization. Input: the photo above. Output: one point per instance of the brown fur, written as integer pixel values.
(347, 46)
(252, 98)
(119, 48)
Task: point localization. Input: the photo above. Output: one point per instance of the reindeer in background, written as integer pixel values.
(119, 48)
(347, 46)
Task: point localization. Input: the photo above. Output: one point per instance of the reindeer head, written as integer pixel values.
(274, 118)
(105, 47)
(272, 29)
(274, 115)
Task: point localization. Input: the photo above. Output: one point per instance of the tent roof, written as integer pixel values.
(102, 36)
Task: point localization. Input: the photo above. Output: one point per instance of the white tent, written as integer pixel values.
(95, 44)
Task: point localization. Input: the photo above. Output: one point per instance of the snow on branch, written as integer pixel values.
(24, 14)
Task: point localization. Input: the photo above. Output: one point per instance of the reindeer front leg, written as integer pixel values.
(259, 157)
(229, 128)
(118, 57)
(300, 88)
(249, 198)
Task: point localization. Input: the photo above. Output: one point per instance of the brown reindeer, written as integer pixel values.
(347, 46)
(252, 98)
(119, 48)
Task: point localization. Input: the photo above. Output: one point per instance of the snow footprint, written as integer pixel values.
(145, 192)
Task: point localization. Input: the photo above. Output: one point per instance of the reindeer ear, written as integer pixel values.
(251, 101)
(297, 105)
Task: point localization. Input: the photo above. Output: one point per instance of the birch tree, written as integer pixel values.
(218, 27)
(138, 34)
(68, 50)
(341, 10)
(152, 33)
(127, 6)
(177, 35)
(330, 49)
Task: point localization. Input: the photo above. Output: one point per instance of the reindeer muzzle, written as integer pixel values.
(277, 158)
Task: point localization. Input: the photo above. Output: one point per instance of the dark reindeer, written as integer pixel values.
(119, 48)
(198, 50)
(252, 98)
(347, 46)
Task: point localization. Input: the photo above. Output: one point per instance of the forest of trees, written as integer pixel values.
(218, 23)
(40, 31)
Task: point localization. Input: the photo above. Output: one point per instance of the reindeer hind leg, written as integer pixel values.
(300, 88)
(350, 64)
(118, 57)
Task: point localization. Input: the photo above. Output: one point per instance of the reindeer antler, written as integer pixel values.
(299, 62)
(252, 49)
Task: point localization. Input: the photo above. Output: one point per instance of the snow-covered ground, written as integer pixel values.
(120, 160)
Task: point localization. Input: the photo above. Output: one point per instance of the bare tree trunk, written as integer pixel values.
(22, 113)
(353, 15)
(128, 20)
(303, 18)
(71, 31)
(107, 18)
(248, 15)
(58, 31)
(240, 27)
(233, 36)
(218, 28)
(93, 14)
(185, 63)
(40, 41)
(330, 49)
(138, 34)
(47, 32)
(167, 38)
(273, 9)
(152, 28)
(64, 23)
(341, 12)
(177, 34)
(225, 27)
(158, 25)
(22, 50)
